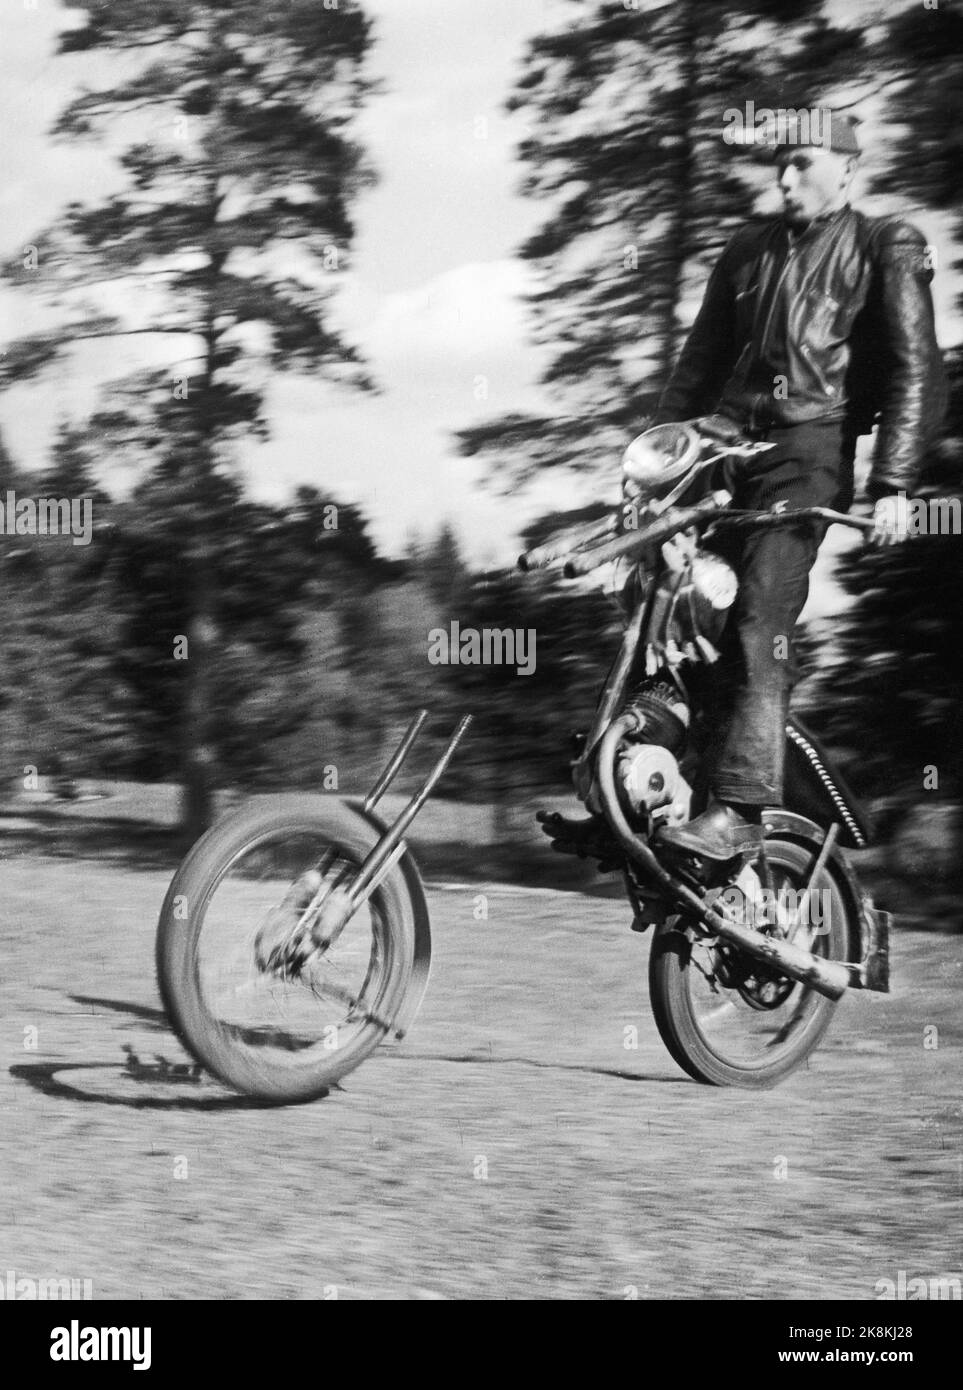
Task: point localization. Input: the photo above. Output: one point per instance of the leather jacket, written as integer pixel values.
(833, 323)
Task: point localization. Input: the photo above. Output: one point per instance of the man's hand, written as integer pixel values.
(889, 521)
(720, 428)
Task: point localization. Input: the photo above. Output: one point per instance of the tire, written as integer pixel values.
(301, 1067)
(674, 980)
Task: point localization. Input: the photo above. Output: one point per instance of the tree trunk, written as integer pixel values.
(198, 758)
(672, 335)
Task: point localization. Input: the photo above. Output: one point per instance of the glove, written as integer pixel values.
(719, 428)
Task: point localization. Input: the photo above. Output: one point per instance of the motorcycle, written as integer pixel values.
(295, 937)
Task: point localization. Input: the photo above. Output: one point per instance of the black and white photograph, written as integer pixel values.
(481, 696)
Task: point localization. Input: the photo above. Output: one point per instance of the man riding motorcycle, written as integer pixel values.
(815, 324)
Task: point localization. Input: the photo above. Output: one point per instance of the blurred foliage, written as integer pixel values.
(520, 743)
(233, 217)
(92, 678)
(624, 151)
(625, 109)
(63, 699)
(322, 648)
(888, 693)
(308, 650)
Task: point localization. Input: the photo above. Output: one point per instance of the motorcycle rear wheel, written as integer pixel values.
(726, 1019)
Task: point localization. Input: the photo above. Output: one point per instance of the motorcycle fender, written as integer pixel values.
(422, 925)
(869, 927)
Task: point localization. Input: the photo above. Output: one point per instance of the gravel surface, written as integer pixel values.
(512, 1147)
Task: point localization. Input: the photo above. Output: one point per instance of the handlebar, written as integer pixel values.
(631, 544)
(776, 518)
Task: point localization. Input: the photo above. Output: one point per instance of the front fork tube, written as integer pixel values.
(336, 901)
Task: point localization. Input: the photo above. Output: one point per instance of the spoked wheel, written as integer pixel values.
(730, 1020)
(248, 992)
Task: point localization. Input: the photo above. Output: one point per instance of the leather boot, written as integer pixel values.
(719, 833)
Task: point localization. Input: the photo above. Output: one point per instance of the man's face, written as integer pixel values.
(812, 181)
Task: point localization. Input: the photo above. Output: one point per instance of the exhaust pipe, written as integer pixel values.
(830, 978)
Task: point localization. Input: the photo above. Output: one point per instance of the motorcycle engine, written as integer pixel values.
(649, 779)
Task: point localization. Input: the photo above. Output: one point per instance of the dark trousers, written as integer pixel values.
(812, 466)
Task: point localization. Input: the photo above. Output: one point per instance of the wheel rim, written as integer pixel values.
(306, 1019)
(746, 1015)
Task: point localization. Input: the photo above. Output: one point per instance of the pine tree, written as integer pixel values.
(228, 235)
(626, 112)
(442, 567)
(894, 666)
(66, 705)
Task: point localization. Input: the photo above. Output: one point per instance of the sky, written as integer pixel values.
(433, 297)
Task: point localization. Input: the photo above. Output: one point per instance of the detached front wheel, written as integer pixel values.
(245, 992)
(730, 1020)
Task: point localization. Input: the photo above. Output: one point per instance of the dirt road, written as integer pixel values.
(513, 1147)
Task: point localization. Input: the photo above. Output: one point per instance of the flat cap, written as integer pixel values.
(814, 125)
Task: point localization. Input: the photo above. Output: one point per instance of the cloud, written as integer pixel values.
(470, 320)
(433, 348)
